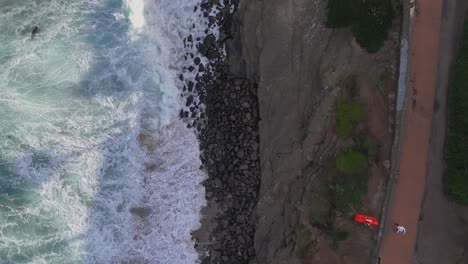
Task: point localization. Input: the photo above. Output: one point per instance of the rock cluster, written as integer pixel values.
(224, 110)
(230, 154)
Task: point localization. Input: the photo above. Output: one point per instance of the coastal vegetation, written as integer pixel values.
(370, 20)
(303, 241)
(338, 235)
(351, 180)
(350, 173)
(348, 115)
(457, 136)
(339, 188)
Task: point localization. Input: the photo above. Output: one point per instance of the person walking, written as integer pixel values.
(400, 229)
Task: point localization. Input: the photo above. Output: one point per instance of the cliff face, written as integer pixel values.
(301, 68)
(282, 43)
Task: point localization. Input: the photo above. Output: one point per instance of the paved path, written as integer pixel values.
(448, 234)
(409, 188)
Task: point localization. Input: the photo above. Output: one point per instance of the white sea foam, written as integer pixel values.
(95, 166)
(135, 10)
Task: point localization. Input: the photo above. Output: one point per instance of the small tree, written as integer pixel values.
(348, 114)
(373, 23)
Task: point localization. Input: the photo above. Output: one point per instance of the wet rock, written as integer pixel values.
(190, 86)
(224, 115)
(140, 211)
(189, 100)
(201, 68)
(211, 19)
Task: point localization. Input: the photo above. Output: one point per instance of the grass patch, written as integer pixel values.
(457, 138)
(317, 200)
(340, 234)
(303, 241)
(351, 162)
(369, 20)
(337, 235)
(351, 181)
(365, 145)
(348, 114)
(343, 180)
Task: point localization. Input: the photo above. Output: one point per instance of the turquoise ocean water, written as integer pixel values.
(95, 167)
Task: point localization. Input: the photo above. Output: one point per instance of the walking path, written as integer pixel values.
(409, 187)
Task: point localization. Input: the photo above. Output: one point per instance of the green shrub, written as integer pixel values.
(351, 181)
(339, 235)
(396, 7)
(370, 20)
(346, 195)
(457, 136)
(303, 241)
(341, 13)
(317, 199)
(351, 162)
(365, 145)
(373, 23)
(348, 114)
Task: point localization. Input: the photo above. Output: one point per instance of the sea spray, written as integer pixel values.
(95, 166)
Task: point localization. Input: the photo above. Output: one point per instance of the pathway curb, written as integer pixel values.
(408, 8)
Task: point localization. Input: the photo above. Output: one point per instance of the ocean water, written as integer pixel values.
(95, 166)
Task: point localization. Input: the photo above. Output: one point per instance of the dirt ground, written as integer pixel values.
(443, 228)
(422, 153)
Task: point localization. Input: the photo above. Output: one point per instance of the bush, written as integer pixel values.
(340, 234)
(346, 195)
(373, 23)
(318, 206)
(365, 144)
(351, 163)
(457, 136)
(396, 7)
(303, 241)
(340, 13)
(337, 235)
(348, 114)
(370, 20)
(351, 182)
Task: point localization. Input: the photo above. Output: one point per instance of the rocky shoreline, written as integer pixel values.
(296, 68)
(224, 110)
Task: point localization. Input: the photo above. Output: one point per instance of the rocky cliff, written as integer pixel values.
(299, 66)
(281, 47)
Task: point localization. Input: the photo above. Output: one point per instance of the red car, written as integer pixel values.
(365, 219)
